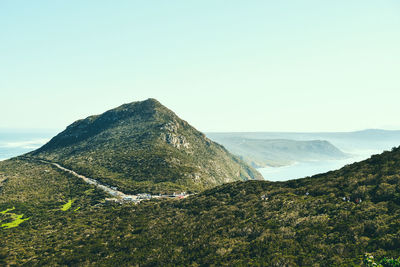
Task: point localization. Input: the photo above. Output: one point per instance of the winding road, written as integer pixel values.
(118, 195)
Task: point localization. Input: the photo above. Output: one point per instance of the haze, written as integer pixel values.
(221, 65)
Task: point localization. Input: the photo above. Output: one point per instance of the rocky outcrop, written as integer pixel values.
(172, 137)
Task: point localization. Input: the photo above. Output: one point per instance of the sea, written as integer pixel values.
(17, 142)
(310, 168)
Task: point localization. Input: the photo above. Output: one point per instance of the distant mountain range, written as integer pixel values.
(375, 139)
(144, 147)
(276, 152)
(282, 148)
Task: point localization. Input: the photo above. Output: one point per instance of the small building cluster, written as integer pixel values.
(118, 198)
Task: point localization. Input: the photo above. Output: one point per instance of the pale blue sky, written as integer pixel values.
(221, 65)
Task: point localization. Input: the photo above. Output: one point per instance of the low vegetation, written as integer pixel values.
(325, 220)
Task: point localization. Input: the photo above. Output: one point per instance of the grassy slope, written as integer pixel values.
(227, 225)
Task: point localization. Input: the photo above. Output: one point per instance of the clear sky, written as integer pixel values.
(305, 65)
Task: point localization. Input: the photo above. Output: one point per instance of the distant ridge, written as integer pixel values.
(277, 152)
(365, 142)
(144, 147)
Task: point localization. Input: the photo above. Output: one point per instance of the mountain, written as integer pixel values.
(277, 152)
(144, 147)
(331, 219)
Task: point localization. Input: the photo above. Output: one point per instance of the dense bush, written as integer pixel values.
(232, 224)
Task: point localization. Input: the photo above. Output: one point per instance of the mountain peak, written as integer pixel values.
(143, 146)
(149, 110)
(148, 104)
(143, 108)
(152, 100)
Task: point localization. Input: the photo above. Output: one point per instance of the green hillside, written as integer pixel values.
(303, 222)
(144, 147)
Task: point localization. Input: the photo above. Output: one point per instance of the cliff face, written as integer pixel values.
(143, 146)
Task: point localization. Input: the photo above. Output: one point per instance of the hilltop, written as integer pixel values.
(277, 152)
(144, 147)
